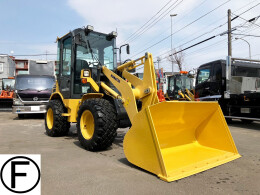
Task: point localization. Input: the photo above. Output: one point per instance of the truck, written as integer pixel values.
(236, 87)
(32, 93)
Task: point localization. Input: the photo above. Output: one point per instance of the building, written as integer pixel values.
(21, 66)
(7, 68)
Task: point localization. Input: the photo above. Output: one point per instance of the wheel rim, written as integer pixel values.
(87, 124)
(49, 118)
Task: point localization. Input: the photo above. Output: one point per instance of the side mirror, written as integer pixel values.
(128, 49)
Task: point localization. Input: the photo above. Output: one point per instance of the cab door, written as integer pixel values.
(170, 90)
(65, 67)
(203, 81)
(216, 84)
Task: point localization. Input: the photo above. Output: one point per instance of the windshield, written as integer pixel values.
(8, 84)
(94, 48)
(203, 75)
(187, 82)
(183, 82)
(34, 83)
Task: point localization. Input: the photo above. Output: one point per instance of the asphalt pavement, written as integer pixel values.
(67, 168)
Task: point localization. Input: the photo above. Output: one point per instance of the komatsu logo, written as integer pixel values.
(115, 78)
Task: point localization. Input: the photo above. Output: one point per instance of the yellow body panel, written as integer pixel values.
(93, 84)
(144, 90)
(177, 139)
(73, 106)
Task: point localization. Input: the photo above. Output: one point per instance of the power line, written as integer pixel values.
(245, 11)
(204, 41)
(186, 14)
(246, 35)
(250, 20)
(222, 25)
(201, 43)
(196, 38)
(154, 22)
(217, 43)
(136, 32)
(246, 5)
(182, 28)
(214, 44)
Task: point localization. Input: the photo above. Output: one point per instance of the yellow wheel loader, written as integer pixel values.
(170, 139)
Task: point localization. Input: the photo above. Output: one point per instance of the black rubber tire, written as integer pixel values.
(60, 124)
(21, 116)
(105, 124)
(245, 121)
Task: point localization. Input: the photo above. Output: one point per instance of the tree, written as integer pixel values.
(176, 58)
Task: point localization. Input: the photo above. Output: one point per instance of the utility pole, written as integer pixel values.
(229, 34)
(158, 61)
(228, 60)
(172, 15)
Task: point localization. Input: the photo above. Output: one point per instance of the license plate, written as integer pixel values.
(245, 110)
(35, 108)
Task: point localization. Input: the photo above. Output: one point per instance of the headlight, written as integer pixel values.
(17, 101)
(86, 73)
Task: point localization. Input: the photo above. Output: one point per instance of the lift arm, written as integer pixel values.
(144, 90)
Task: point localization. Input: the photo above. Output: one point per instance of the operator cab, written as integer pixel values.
(179, 82)
(80, 49)
(8, 84)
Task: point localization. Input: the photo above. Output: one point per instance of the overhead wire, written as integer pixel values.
(143, 26)
(182, 28)
(155, 21)
(201, 49)
(217, 26)
(215, 36)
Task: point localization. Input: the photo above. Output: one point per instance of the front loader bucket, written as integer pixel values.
(178, 139)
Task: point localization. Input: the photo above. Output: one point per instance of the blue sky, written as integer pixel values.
(31, 26)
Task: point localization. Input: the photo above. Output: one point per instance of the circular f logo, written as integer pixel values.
(20, 174)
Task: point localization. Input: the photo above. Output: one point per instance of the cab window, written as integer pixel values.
(217, 72)
(66, 57)
(171, 83)
(203, 75)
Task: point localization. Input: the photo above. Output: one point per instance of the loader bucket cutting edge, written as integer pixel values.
(177, 139)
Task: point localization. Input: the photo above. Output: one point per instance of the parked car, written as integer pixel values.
(32, 93)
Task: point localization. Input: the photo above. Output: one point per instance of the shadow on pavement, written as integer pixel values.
(239, 124)
(127, 163)
(119, 139)
(30, 116)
